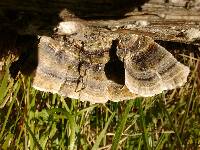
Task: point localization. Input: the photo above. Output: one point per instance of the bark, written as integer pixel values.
(162, 20)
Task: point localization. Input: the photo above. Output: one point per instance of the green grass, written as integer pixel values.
(30, 119)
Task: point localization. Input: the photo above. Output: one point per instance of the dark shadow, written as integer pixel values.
(114, 68)
(28, 57)
(31, 22)
(45, 12)
(177, 48)
(7, 42)
(23, 47)
(109, 9)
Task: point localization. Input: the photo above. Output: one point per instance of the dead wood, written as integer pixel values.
(166, 20)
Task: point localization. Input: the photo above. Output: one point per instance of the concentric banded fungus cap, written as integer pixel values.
(78, 66)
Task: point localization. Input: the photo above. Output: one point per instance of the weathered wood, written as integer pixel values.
(164, 20)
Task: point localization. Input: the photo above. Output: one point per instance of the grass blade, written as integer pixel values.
(72, 123)
(186, 113)
(161, 141)
(121, 125)
(170, 121)
(4, 85)
(142, 121)
(16, 87)
(33, 136)
(103, 132)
